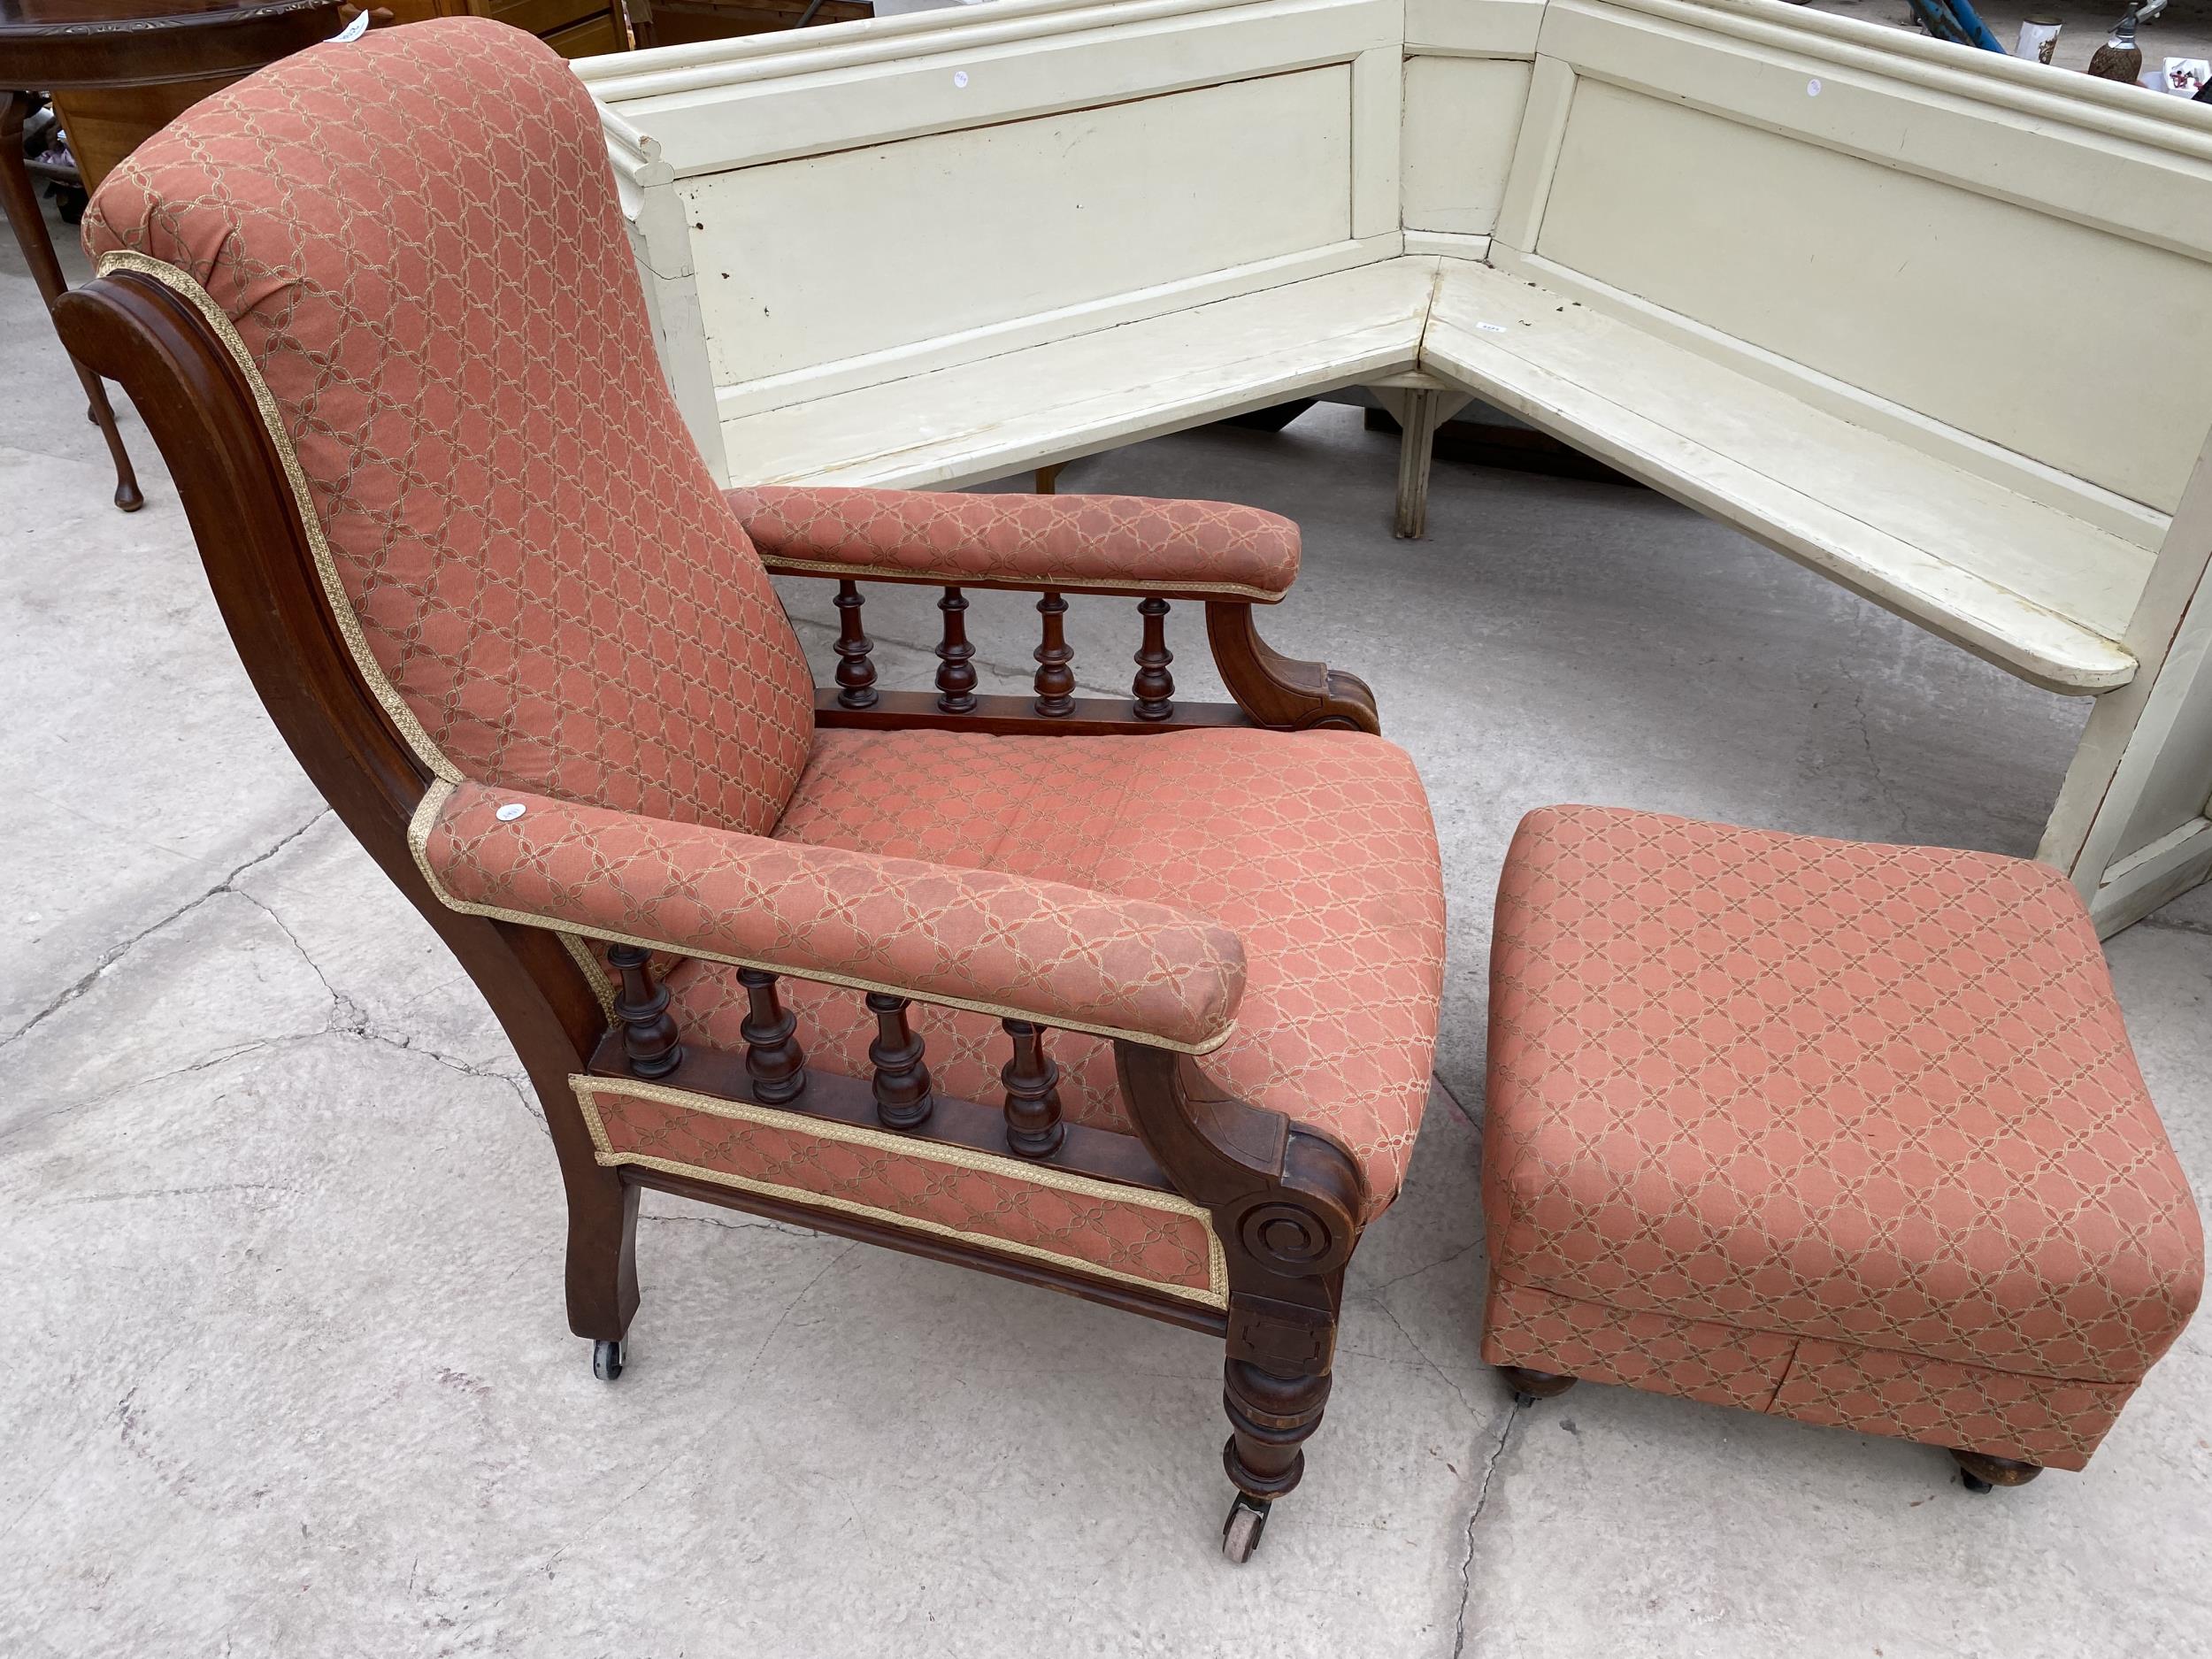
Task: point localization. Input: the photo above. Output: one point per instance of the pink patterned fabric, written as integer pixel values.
(540, 563)
(1876, 1097)
(1083, 1230)
(1067, 541)
(1720, 1365)
(1315, 848)
(2054, 1421)
(1043, 948)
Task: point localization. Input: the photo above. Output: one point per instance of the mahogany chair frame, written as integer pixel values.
(1286, 1198)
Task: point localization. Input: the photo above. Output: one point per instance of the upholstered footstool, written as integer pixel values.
(1847, 1134)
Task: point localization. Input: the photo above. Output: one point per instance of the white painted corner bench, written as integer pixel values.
(1930, 321)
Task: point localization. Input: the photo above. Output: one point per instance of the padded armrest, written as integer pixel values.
(1117, 543)
(1001, 944)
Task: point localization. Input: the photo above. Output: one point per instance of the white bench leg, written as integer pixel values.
(2131, 827)
(1419, 410)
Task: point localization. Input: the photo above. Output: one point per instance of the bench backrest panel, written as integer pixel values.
(1461, 117)
(1466, 88)
(2040, 335)
(954, 231)
(2021, 266)
(890, 197)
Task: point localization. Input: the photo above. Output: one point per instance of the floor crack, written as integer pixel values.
(1415, 1272)
(110, 957)
(1482, 1500)
(366, 1033)
(348, 1018)
(1412, 1341)
(1458, 1105)
(755, 1225)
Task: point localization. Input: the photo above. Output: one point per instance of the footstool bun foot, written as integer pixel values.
(1978, 1471)
(1529, 1387)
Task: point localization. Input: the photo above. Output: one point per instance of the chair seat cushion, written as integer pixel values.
(1871, 1098)
(1317, 848)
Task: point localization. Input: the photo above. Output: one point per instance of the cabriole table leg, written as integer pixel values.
(38, 253)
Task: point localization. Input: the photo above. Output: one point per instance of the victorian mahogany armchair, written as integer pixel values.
(1131, 999)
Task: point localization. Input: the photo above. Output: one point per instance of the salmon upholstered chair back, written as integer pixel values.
(413, 240)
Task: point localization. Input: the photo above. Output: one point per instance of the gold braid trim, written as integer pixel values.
(585, 958)
(341, 603)
(1233, 591)
(1215, 1294)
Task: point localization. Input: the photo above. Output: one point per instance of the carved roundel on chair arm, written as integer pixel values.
(1306, 1224)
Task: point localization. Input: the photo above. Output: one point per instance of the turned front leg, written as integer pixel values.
(1269, 1419)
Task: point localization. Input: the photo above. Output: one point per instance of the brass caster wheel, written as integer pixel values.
(1984, 1472)
(1241, 1532)
(607, 1359)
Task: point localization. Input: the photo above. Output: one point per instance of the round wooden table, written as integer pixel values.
(172, 52)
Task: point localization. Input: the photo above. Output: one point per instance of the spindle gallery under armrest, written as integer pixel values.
(1269, 689)
(1103, 1155)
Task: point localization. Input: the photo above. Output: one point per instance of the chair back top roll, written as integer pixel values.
(413, 242)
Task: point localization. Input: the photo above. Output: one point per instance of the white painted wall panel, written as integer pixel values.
(1461, 117)
(2046, 336)
(1507, 28)
(826, 257)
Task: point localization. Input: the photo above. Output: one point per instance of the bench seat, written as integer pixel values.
(2028, 586)
(2034, 589)
(1047, 404)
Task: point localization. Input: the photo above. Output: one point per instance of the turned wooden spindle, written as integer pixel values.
(856, 671)
(956, 670)
(1154, 687)
(902, 1081)
(649, 1035)
(774, 1059)
(1033, 1094)
(1056, 678)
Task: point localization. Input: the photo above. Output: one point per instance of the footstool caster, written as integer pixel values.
(1529, 1387)
(608, 1358)
(1241, 1532)
(1980, 1472)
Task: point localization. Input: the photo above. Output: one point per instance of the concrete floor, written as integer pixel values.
(286, 1371)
